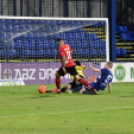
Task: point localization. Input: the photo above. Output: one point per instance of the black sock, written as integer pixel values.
(48, 91)
(64, 89)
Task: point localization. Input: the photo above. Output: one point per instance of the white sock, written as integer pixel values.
(58, 90)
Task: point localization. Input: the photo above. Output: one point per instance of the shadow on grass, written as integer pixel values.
(43, 96)
(126, 96)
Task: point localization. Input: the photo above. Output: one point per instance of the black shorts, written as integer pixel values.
(75, 85)
(70, 70)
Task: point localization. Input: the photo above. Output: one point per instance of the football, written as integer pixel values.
(42, 89)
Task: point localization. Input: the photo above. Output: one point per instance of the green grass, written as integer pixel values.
(24, 111)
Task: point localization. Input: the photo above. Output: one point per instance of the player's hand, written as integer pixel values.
(64, 70)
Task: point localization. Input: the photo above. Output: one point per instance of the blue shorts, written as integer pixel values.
(87, 91)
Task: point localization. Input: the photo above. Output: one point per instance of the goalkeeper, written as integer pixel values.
(74, 84)
(100, 83)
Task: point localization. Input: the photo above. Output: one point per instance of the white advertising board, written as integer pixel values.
(122, 72)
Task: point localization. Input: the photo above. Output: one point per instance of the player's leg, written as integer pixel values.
(59, 73)
(67, 87)
(72, 71)
(86, 90)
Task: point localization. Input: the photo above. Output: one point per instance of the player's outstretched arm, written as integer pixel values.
(96, 70)
(109, 88)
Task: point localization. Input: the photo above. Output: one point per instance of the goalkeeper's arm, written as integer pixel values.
(96, 70)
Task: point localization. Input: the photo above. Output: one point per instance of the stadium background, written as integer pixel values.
(119, 13)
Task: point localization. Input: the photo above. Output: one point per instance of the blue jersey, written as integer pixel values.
(101, 82)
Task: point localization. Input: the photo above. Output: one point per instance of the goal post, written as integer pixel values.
(29, 43)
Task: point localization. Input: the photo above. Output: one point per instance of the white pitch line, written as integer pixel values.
(66, 112)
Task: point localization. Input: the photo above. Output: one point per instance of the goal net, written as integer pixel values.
(28, 47)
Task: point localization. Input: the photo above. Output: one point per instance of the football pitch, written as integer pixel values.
(24, 111)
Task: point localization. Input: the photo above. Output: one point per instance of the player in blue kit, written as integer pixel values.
(101, 82)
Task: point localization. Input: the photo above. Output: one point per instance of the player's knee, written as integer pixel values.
(77, 77)
(69, 87)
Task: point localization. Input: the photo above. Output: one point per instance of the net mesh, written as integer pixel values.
(35, 40)
(23, 41)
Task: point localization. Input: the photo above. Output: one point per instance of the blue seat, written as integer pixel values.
(120, 28)
(79, 29)
(65, 22)
(79, 52)
(21, 21)
(86, 52)
(39, 44)
(117, 52)
(31, 45)
(60, 27)
(73, 46)
(117, 30)
(14, 21)
(70, 22)
(11, 53)
(68, 36)
(82, 23)
(15, 28)
(36, 35)
(86, 35)
(77, 23)
(29, 35)
(42, 35)
(66, 27)
(46, 22)
(59, 22)
(65, 41)
(80, 35)
(52, 22)
(84, 44)
(93, 35)
(47, 53)
(26, 53)
(78, 46)
(8, 22)
(27, 21)
(10, 44)
(92, 52)
(2, 28)
(125, 29)
(28, 28)
(123, 52)
(2, 21)
(41, 28)
(9, 35)
(22, 28)
(33, 53)
(40, 53)
(48, 28)
(54, 53)
(35, 28)
(40, 22)
(55, 36)
(103, 52)
(74, 36)
(22, 35)
(17, 46)
(54, 28)
(2, 35)
(8, 28)
(62, 35)
(123, 36)
(3, 53)
(33, 22)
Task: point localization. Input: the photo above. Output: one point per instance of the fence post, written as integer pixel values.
(14, 7)
(112, 21)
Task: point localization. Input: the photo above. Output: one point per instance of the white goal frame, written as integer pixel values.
(56, 18)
